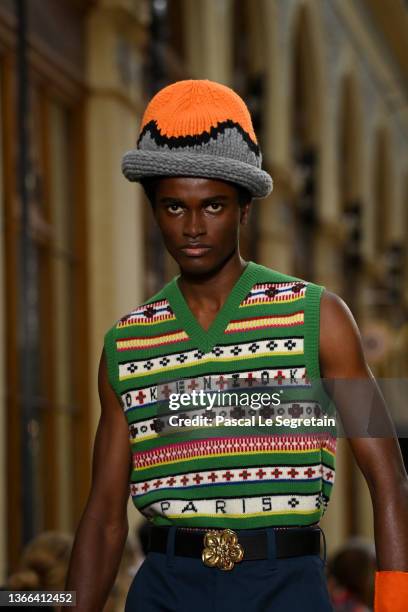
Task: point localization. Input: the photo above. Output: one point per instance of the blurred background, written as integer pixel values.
(326, 82)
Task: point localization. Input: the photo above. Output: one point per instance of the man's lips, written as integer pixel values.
(195, 250)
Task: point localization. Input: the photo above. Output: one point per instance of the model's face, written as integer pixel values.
(199, 219)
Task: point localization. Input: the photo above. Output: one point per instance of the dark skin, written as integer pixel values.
(380, 460)
(189, 213)
(103, 529)
(192, 212)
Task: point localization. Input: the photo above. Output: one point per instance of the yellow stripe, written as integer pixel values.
(267, 321)
(147, 342)
(142, 438)
(166, 320)
(274, 301)
(247, 514)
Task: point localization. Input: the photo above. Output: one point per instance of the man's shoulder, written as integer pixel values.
(335, 313)
(341, 344)
(155, 308)
(267, 274)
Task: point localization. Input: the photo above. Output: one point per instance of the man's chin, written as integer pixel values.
(208, 263)
(196, 265)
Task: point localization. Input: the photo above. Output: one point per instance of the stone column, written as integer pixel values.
(115, 250)
(208, 39)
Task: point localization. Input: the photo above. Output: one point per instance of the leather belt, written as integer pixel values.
(249, 546)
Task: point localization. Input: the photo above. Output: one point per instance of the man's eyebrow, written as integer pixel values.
(170, 200)
(215, 197)
(175, 200)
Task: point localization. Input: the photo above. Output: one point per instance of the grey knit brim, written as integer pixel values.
(138, 164)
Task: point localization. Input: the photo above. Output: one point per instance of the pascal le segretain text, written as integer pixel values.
(255, 420)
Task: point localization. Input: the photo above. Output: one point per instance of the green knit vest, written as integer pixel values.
(242, 463)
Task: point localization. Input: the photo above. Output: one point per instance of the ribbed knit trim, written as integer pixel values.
(138, 164)
(312, 329)
(207, 339)
(111, 361)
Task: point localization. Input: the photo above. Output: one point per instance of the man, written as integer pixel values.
(351, 572)
(234, 506)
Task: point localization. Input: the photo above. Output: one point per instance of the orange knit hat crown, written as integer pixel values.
(198, 128)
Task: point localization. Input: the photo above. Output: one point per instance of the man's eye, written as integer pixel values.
(174, 208)
(214, 206)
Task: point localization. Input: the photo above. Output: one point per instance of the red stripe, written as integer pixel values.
(213, 446)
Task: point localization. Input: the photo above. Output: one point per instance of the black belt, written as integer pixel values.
(290, 542)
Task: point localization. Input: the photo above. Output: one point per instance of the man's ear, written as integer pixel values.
(244, 213)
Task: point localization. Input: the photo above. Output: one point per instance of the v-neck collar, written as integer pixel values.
(205, 340)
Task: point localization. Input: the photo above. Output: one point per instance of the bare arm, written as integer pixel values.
(103, 528)
(380, 460)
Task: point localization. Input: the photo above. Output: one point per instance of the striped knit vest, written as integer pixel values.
(240, 473)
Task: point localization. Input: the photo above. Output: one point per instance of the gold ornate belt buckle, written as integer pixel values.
(221, 549)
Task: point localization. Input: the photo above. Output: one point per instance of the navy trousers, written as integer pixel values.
(169, 583)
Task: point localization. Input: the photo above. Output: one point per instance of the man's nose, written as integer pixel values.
(194, 224)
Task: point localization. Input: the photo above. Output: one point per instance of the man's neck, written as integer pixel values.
(211, 290)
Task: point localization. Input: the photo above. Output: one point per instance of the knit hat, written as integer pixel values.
(198, 128)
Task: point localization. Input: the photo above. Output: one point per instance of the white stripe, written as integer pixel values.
(239, 507)
(232, 352)
(240, 475)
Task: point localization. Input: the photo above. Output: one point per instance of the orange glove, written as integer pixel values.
(391, 591)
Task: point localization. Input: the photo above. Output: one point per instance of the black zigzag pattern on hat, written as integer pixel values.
(175, 142)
